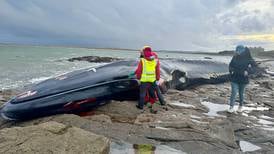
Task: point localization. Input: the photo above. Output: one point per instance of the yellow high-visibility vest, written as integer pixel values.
(149, 70)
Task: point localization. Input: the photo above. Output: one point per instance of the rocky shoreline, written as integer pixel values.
(94, 59)
(196, 122)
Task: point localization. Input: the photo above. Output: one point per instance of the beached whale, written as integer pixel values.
(88, 88)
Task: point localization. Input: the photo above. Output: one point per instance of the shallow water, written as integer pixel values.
(126, 148)
(214, 108)
(247, 146)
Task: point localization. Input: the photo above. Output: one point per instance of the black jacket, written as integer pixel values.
(238, 65)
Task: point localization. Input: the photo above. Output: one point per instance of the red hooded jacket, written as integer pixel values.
(148, 55)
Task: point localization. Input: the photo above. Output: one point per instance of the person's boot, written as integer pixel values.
(149, 105)
(139, 107)
(230, 110)
(240, 109)
(163, 103)
(152, 110)
(165, 108)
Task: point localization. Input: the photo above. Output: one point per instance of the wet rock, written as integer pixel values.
(181, 104)
(94, 59)
(1, 104)
(2, 98)
(100, 118)
(190, 140)
(223, 130)
(207, 58)
(120, 111)
(51, 137)
(5, 123)
(144, 118)
(216, 99)
(175, 94)
(267, 84)
(269, 103)
(5, 95)
(184, 124)
(171, 129)
(66, 119)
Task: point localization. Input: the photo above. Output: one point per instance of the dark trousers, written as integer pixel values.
(156, 88)
(236, 87)
(144, 87)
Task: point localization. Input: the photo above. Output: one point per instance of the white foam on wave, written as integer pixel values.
(40, 79)
(11, 85)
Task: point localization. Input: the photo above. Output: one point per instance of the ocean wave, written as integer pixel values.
(9, 85)
(39, 79)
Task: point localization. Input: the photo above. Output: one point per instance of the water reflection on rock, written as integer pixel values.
(126, 148)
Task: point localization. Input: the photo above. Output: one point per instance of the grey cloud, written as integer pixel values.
(240, 19)
(173, 24)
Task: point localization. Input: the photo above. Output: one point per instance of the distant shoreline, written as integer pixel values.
(219, 53)
(123, 49)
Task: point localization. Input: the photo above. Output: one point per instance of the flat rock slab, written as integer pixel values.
(51, 137)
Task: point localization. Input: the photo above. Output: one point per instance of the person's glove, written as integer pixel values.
(245, 73)
(131, 75)
(157, 83)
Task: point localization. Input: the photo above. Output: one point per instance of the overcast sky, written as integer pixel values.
(206, 25)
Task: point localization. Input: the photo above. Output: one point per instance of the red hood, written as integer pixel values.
(148, 55)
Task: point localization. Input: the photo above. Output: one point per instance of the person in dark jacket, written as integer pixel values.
(239, 67)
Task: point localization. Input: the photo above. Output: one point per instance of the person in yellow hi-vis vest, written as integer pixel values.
(148, 72)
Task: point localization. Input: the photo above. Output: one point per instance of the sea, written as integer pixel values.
(22, 65)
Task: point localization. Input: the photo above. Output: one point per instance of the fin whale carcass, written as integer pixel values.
(88, 88)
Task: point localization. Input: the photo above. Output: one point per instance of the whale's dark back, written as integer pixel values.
(191, 69)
